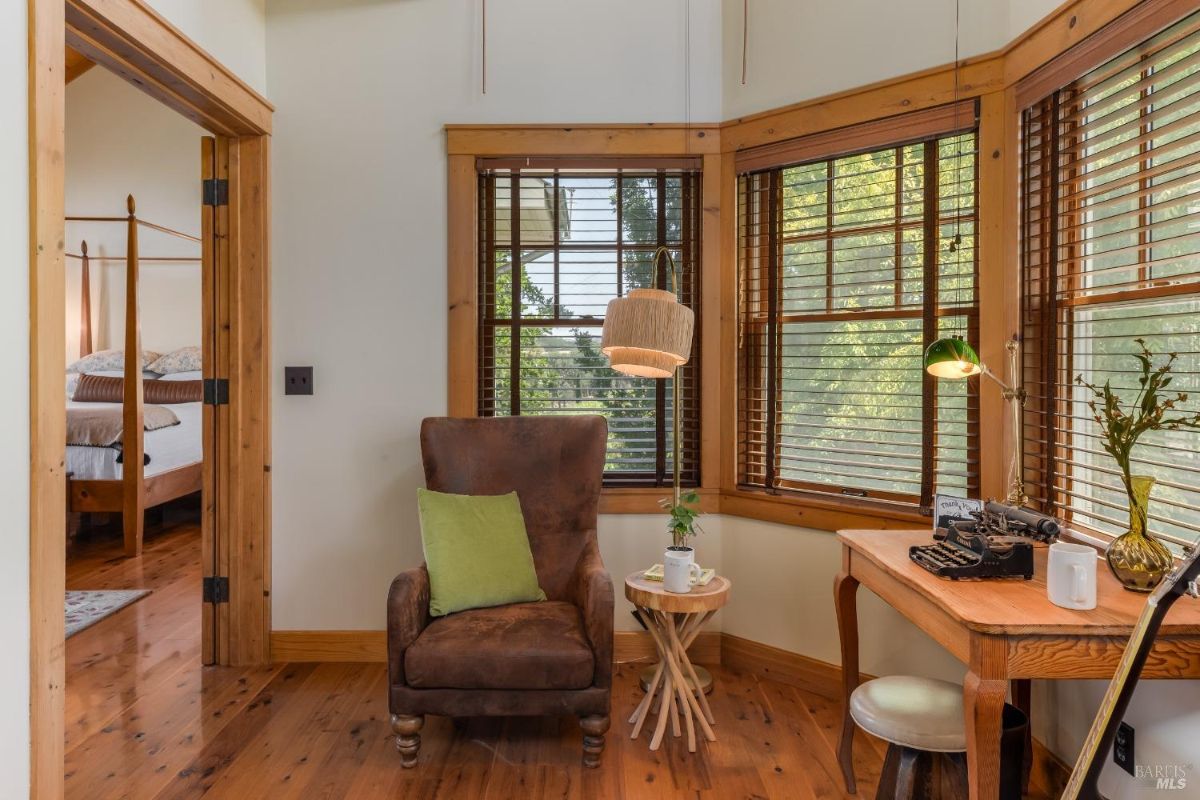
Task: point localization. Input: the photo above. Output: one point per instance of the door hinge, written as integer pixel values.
(216, 391)
(216, 590)
(216, 192)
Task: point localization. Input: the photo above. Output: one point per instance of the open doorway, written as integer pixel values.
(134, 309)
(133, 42)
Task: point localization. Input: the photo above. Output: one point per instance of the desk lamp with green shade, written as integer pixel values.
(952, 358)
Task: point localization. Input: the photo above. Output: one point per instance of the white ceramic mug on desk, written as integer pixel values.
(680, 570)
(1071, 576)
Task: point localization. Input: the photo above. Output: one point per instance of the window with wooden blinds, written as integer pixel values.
(849, 266)
(557, 242)
(1111, 253)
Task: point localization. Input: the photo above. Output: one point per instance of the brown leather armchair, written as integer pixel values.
(536, 659)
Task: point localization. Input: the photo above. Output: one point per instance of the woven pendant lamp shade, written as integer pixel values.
(647, 333)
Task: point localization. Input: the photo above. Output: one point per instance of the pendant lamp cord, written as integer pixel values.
(687, 73)
(745, 35)
(483, 47)
(958, 140)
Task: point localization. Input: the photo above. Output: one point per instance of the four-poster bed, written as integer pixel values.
(139, 477)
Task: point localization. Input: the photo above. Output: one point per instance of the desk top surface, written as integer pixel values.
(1014, 607)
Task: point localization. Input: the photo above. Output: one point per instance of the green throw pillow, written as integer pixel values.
(476, 550)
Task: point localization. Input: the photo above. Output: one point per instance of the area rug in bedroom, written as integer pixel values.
(86, 608)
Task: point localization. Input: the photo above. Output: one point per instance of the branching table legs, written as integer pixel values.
(674, 680)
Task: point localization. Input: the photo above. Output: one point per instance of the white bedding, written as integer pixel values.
(168, 448)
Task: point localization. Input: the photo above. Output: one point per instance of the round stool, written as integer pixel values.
(921, 719)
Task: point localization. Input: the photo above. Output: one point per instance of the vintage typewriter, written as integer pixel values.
(996, 543)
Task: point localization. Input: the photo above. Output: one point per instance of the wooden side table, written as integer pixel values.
(674, 621)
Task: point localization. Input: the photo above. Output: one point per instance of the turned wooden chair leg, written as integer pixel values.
(408, 737)
(594, 728)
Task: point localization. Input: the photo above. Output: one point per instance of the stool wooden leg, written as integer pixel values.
(909, 776)
(887, 773)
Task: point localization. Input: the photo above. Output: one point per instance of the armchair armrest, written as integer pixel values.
(592, 591)
(407, 616)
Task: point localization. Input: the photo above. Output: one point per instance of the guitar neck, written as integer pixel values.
(1086, 774)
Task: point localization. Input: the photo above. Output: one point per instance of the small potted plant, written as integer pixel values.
(1138, 560)
(684, 514)
(679, 560)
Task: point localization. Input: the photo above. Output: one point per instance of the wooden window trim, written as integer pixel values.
(760, 195)
(646, 462)
(892, 131)
(585, 146)
(1136, 25)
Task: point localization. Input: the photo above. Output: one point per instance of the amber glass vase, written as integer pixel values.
(1138, 560)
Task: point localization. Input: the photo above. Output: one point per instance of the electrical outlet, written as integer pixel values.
(297, 380)
(1123, 748)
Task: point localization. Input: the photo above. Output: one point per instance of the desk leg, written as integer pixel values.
(1022, 698)
(845, 597)
(983, 708)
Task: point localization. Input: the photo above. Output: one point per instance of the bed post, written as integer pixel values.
(133, 504)
(85, 303)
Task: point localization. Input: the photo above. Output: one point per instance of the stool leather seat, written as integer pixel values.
(919, 713)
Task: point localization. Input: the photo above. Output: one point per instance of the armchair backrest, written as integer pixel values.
(554, 464)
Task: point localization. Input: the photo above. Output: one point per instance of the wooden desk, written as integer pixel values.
(1003, 630)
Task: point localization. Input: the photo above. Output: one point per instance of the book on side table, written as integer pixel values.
(655, 573)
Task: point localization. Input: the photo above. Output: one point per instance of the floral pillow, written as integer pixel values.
(185, 359)
(110, 361)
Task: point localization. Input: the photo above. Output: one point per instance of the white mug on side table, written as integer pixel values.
(680, 570)
(1071, 576)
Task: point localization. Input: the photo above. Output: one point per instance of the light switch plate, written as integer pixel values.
(297, 380)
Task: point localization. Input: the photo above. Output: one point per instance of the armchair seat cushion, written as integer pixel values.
(520, 646)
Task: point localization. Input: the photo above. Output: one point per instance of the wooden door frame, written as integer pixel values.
(133, 41)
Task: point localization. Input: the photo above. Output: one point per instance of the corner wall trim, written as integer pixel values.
(371, 646)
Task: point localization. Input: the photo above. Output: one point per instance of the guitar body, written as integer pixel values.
(1085, 778)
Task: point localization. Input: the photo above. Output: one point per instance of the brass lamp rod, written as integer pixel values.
(1015, 396)
(675, 390)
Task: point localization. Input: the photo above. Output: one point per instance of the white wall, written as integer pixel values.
(233, 31)
(120, 141)
(1024, 14)
(359, 246)
(800, 50)
(14, 404)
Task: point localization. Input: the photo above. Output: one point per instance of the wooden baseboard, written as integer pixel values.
(372, 646)
(329, 646)
(810, 674)
(631, 646)
(1050, 773)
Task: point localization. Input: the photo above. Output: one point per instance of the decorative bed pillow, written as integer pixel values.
(190, 375)
(110, 361)
(185, 359)
(476, 550)
(106, 389)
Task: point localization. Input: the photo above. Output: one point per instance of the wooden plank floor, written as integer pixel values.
(145, 720)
